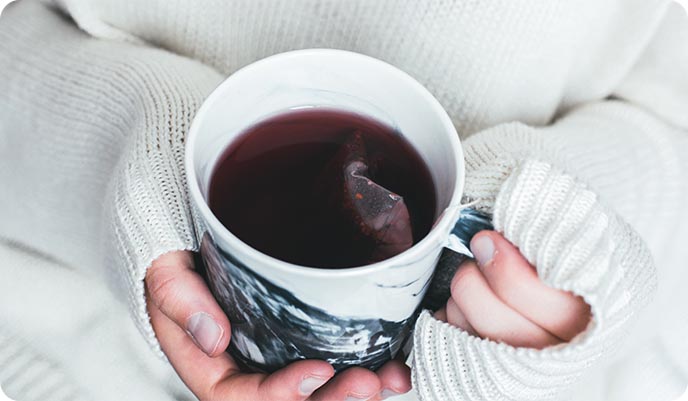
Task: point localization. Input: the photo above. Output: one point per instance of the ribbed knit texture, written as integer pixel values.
(577, 245)
(93, 120)
(109, 121)
(27, 373)
(64, 337)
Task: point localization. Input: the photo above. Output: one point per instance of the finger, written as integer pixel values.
(457, 318)
(489, 316)
(395, 379)
(296, 381)
(516, 282)
(198, 371)
(219, 378)
(441, 314)
(453, 315)
(182, 295)
(350, 385)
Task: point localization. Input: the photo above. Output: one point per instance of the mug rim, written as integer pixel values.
(408, 256)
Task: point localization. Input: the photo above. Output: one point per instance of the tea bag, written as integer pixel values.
(378, 218)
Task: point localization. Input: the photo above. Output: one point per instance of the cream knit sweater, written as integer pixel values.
(574, 117)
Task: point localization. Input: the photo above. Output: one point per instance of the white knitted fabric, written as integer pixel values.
(577, 245)
(44, 380)
(64, 338)
(92, 124)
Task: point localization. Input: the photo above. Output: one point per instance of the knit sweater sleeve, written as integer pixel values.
(91, 142)
(582, 199)
(91, 148)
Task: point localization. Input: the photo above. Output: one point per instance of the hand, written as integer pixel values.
(501, 298)
(194, 333)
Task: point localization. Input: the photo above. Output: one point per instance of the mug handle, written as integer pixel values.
(469, 222)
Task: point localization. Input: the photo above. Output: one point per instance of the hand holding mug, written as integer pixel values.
(282, 308)
(499, 296)
(194, 332)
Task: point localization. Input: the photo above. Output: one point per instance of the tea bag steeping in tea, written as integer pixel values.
(318, 187)
(377, 218)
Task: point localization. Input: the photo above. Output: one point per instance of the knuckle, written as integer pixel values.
(160, 285)
(210, 394)
(507, 285)
(266, 390)
(264, 393)
(462, 277)
(508, 277)
(223, 385)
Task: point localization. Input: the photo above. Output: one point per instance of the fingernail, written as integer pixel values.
(310, 384)
(387, 393)
(483, 249)
(205, 332)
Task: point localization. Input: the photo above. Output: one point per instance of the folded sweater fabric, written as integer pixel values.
(573, 118)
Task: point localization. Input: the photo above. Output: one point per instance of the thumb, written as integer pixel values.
(180, 293)
(516, 282)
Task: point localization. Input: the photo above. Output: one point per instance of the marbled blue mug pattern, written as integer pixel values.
(272, 327)
(469, 223)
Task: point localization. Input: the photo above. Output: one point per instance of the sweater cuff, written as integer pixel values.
(146, 223)
(577, 245)
(148, 207)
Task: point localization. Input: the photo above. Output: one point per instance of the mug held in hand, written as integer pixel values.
(289, 310)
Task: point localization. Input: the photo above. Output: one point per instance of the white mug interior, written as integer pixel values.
(342, 80)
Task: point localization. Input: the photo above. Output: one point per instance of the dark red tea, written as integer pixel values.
(278, 187)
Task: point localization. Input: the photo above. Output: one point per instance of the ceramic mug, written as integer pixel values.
(281, 312)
